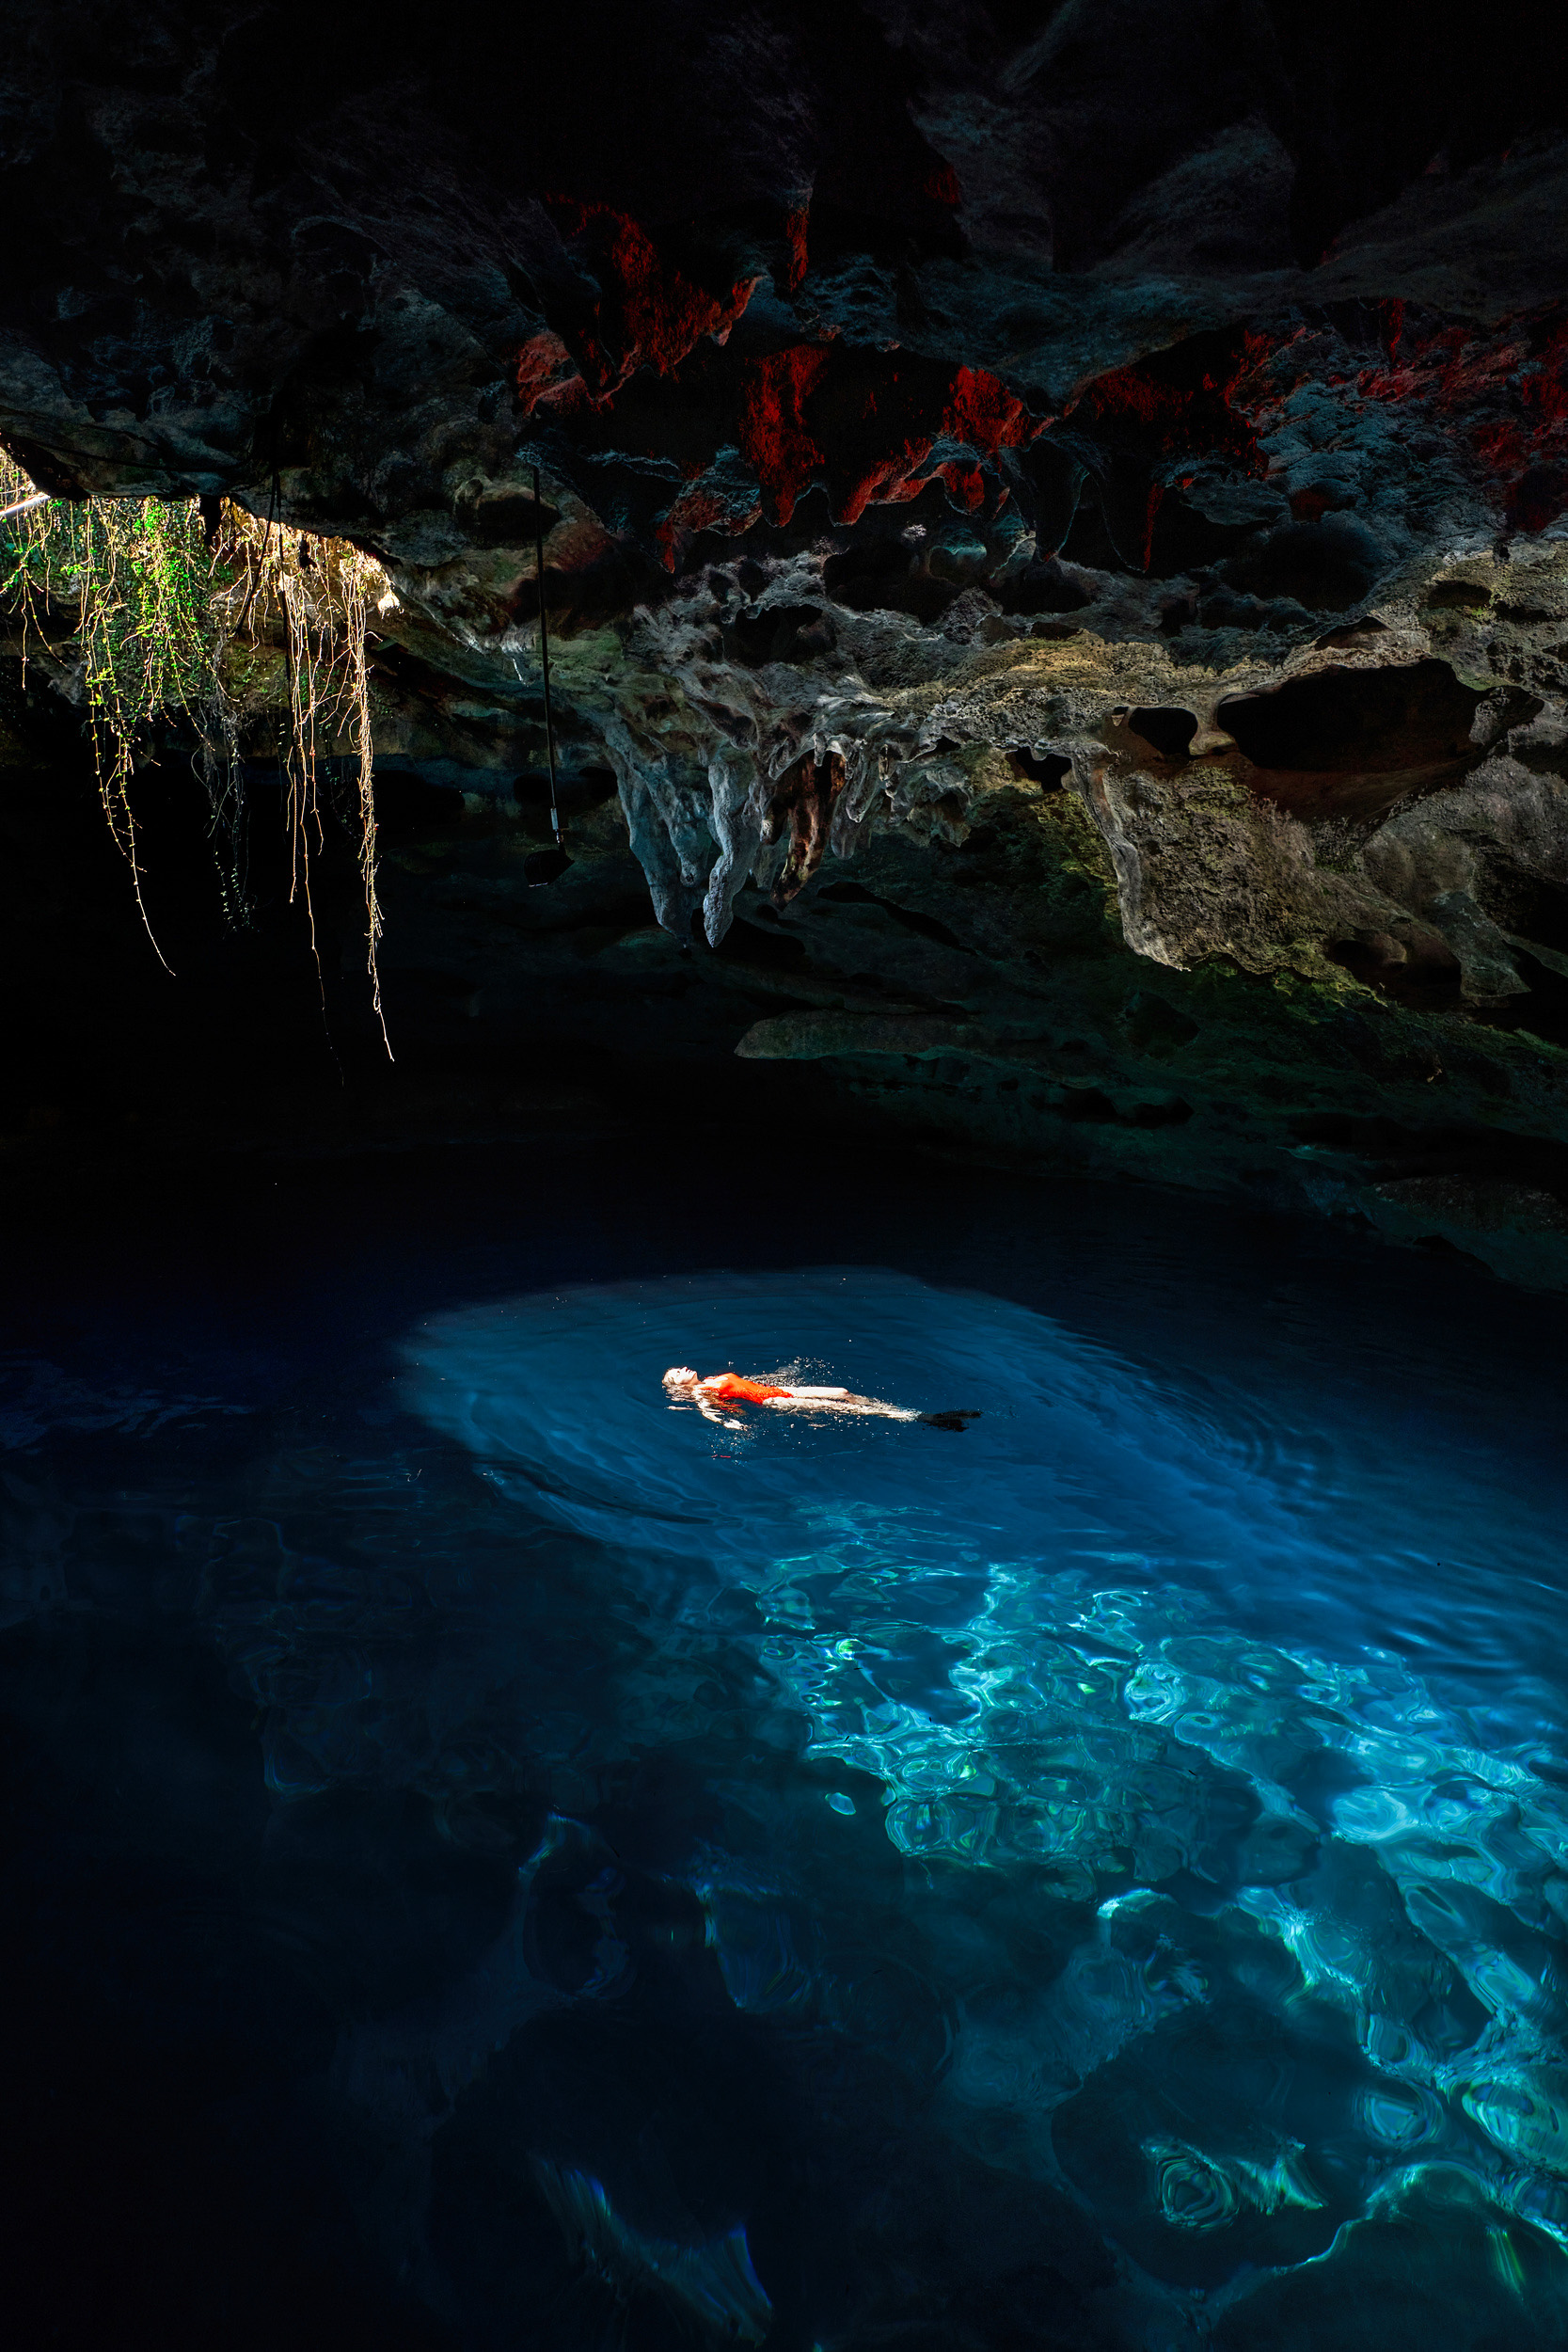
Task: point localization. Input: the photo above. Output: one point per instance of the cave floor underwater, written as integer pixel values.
(495, 1860)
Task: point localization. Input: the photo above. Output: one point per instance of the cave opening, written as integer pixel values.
(885, 576)
(1396, 716)
(1048, 770)
(1351, 744)
(792, 633)
(1323, 567)
(1167, 731)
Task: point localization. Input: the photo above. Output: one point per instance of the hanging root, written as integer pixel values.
(317, 593)
(359, 688)
(163, 599)
(136, 571)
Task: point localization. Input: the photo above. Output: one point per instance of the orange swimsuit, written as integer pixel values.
(728, 1388)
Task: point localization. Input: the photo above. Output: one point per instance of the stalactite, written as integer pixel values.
(865, 782)
(669, 838)
(805, 803)
(773, 831)
(740, 802)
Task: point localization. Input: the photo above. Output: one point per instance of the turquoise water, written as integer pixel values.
(1098, 1879)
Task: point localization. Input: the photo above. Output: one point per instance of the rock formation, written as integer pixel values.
(1057, 533)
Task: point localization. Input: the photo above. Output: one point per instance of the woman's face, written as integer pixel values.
(680, 1380)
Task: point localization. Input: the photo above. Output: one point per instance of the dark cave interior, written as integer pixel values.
(1049, 523)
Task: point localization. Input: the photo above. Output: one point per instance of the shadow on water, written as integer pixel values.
(493, 1859)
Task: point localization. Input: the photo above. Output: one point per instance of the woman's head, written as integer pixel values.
(681, 1380)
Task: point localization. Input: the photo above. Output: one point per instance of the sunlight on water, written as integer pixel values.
(1110, 1863)
(1045, 1643)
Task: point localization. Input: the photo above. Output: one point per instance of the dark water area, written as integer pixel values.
(492, 1859)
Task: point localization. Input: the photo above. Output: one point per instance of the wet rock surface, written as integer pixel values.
(1053, 548)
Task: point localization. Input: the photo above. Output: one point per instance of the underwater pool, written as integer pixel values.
(495, 1859)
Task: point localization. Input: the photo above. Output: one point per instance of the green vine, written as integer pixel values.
(160, 609)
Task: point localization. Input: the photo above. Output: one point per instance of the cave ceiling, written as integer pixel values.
(940, 412)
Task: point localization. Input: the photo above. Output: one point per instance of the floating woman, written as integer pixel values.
(685, 1387)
